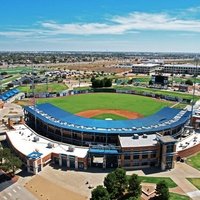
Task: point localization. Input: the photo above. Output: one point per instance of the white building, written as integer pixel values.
(145, 68)
(181, 69)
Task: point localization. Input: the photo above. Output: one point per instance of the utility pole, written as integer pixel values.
(173, 75)
(33, 91)
(1, 86)
(194, 84)
(47, 82)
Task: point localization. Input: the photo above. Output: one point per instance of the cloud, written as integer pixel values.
(116, 25)
(194, 9)
(157, 22)
(85, 29)
(15, 33)
(133, 22)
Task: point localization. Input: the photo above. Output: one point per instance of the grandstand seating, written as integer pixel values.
(8, 94)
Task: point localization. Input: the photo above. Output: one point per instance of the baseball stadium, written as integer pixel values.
(104, 130)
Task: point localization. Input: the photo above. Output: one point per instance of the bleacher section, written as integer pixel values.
(8, 94)
(165, 119)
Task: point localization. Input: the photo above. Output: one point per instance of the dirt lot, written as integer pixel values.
(44, 189)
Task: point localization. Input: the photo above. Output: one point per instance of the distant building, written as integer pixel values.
(196, 115)
(185, 88)
(181, 69)
(146, 68)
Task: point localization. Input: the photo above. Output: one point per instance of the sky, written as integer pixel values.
(100, 25)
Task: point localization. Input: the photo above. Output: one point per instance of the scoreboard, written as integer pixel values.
(159, 80)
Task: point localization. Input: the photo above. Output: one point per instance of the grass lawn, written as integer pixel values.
(82, 88)
(14, 77)
(195, 182)
(16, 70)
(148, 179)
(141, 79)
(157, 91)
(107, 115)
(194, 161)
(175, 196)
(180, 106)
(178, 80)
(77, 103)
(52, 87)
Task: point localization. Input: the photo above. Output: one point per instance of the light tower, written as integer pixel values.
(194, 84)
(33, 91)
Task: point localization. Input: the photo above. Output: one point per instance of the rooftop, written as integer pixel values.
(179, 65)
(167, 139)
(146, 65)
(27, 142)
(141, 141)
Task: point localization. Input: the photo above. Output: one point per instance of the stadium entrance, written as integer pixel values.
(97, 161)
(103, 157)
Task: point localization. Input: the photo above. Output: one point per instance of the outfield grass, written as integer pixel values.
(157, 91)
(77, 103)
(195, 182)
(194, 161)
(52, 87)
(107, 115)
(148, 179)
(175, 196)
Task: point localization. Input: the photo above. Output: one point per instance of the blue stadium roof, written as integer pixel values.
(8, 94)
(166, 118)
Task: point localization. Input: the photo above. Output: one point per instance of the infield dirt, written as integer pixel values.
(123, 113)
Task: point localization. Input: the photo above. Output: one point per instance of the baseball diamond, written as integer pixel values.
(79, 142)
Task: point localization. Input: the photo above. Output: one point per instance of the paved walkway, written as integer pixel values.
(76, 179)
(72, 180)
(179, 175)
(16, 192)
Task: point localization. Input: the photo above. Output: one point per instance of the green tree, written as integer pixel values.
(162, 191)
(92, 79)
(100, 193)
(9, 162)
(150, 82)
(188, 82)
(4, 73)
(121, 181)
(110, 184)
(4, 154)
(135, 186)
(107, 82)
(14, 163)
(132, 198)
(9, 85)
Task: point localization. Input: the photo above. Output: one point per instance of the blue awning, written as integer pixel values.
(103, 151)
(34, 155)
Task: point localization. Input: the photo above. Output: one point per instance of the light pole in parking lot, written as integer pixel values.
(1, 86)
(194, 84)
(33, 91)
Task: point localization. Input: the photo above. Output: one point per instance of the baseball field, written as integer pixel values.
(108, 105)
